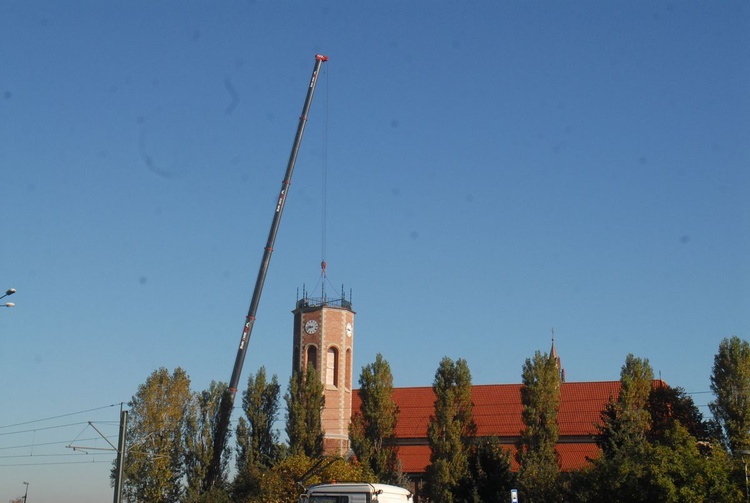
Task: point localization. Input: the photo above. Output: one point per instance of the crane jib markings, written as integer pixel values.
(281, 200)
(244, 335)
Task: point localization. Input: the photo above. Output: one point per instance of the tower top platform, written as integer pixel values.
(316, 302)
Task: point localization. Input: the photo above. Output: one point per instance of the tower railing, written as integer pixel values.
(323, 302)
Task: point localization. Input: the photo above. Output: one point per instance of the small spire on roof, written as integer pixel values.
(553, 351)
(553, 354)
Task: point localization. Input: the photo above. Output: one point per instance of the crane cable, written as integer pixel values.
(324, 191)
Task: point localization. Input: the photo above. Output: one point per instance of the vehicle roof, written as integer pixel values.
(361, 486)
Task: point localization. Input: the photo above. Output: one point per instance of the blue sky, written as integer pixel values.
(494, 171)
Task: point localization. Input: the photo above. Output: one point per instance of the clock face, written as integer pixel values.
(349, 329)
(311, 326)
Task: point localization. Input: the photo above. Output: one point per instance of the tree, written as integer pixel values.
(489, 475)
(672, 470)
(201, 423)
(730, 383)
(260, 403)
(450, 431)
(626, 422)
(372, 431)
(155, 461)
(621, 473)
(654, 449)
(257, 441)
(636, 379)
(536, 455)
(282, 482)
(305, 401)
(667, 406)
(676, 470)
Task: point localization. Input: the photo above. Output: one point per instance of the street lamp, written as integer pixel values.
(744, 453)
(27, 492)
(9, 291)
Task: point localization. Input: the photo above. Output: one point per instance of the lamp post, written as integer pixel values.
(26, 493)
(744, 453)
(9, 291)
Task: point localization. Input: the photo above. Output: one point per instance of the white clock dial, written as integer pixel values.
(349, 329)
(311, 326)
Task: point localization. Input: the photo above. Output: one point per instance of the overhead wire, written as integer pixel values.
(60, 416)
(33, 430)
(93, 461)
(32, 450)
(42, 444)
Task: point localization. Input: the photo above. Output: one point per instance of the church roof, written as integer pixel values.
(497, 412)
(415, 458)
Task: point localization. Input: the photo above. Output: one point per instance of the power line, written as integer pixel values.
(41, 444)
(30, 449)
(55, 455)
(34, 430)
(60, 416)
(56, 463)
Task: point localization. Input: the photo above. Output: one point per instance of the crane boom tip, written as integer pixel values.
(321, 57)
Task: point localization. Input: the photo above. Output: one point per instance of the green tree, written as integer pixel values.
(625, 421)
(621, 474)
(372, 431)
(260, 403)
(155, 461)
(305, 401)
(676, 458)
(489, 475)
(730, 383)
(257, 441)
(676, 470)
(536, 456)
(200, 428)
(673, 470)
(450, 431)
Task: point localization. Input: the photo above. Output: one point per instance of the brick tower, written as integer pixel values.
(324, 338)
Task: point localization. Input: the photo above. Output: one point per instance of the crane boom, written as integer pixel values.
(227, 399)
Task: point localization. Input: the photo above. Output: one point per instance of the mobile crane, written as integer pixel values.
(227, 398)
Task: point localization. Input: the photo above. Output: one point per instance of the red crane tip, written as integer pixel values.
(321, 57)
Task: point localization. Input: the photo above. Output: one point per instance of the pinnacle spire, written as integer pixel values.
(553, 355)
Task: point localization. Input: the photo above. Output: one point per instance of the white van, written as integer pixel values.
(355, 493)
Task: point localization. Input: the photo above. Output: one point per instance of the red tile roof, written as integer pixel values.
(497, 412)
(415, 458)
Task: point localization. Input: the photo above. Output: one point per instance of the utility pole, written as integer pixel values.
(120, 456)
(120, 450)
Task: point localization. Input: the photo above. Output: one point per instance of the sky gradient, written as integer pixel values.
(493, 172)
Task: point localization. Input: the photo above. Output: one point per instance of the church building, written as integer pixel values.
(324, 337)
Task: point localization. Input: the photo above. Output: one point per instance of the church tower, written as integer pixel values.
(324, 338)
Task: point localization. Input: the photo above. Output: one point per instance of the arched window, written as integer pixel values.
(312, 357)
(332, 367)
(348, 375)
